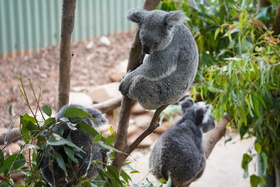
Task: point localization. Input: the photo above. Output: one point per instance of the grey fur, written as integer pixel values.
(179, 152)
(170, 63)
(52, 173)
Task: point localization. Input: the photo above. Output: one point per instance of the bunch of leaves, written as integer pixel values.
(39, 137)
(239, 69)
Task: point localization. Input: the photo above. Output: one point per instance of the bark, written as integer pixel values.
(212, 137)
(133, 63)
(277, 174)
(276, 24)
(6, 137)
(67, 25)
(263, 3)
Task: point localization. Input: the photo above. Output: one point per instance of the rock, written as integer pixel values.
(13, 148)
(163, 127)
(137, 109)
(117, 73)
(143, 120)
(80, 98)
(104, 92)
(132, 129)
(104, 40)
(90, 45)
(148, 141)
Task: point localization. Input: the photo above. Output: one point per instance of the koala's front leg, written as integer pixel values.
(126, 82)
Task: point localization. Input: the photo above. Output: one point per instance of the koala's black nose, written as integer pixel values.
(146, 49)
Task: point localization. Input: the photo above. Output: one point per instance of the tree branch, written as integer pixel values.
(149, 130)
(212, 137)
(108, 105)
(12, 137)
(276, 24)
(67, 25)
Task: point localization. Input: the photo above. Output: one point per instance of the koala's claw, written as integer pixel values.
(123, 89)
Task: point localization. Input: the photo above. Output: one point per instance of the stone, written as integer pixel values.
(117, 73)
(137, 109)
(147, 142)
(105, 40)
(163, 127)
(143, 120)
(104, 92)
(80, 99)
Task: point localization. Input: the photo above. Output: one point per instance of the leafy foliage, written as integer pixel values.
(239, 69)
(38, 137)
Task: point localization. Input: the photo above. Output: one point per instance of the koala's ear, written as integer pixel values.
(136, 15)
(187, 103)
(174, 18)
(203, 113)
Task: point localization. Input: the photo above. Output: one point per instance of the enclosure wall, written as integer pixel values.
(32, 24)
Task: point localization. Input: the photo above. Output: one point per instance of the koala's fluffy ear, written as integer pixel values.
(187, 103)
(204, 117)
(97, 116)
(136, 15)
(174, 18)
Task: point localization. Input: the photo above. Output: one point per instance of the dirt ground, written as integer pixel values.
(91, 62)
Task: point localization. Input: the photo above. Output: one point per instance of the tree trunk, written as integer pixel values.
(133, 63)
(276, 24)
(67, 25)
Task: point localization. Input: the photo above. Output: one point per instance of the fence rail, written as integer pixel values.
(32, 24)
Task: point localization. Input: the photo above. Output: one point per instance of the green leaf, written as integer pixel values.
(258, 147)
(245, 162)
(62, 141)
(60, 161)
(1, 157)
(28, 125)
(110, 139)
(70, 153)
(10, 110)
(97, 138)
(169, 181)
(255, 180)
(47, 110)
(77, 112)
(81, 125)
(49, 122)
(12, 163)
(125, 176)
(72, 126)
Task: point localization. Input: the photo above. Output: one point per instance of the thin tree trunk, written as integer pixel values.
(67, 25)
(133, 63)
(276, 24)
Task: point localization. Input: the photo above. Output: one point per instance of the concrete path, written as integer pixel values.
(223, 167)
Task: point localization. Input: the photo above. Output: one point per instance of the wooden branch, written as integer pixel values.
(12, 137)
(67, 26)
(108, 105)
(149, 130)
(212, 137)
(276, 24)
(133, 63)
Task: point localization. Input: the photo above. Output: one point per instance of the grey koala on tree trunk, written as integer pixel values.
(170, 63)
(51, 171)
(178, 152)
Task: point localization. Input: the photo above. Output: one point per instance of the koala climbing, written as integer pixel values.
(179, 152)
(52, 173)
(170, 63)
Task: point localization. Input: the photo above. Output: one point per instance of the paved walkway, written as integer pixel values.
(223, 167)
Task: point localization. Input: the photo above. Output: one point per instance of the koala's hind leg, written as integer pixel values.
(145, 91)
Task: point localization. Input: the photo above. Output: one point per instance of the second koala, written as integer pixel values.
(171, 59)
(51, 171)
(179, 152)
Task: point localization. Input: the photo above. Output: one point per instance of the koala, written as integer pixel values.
(170, 63)
(179, 152)
(52, 173)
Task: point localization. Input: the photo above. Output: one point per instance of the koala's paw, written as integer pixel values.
(123, 88)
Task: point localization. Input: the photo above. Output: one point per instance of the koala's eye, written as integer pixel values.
(156, 43)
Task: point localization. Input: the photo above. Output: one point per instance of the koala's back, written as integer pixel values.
(176, 153)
